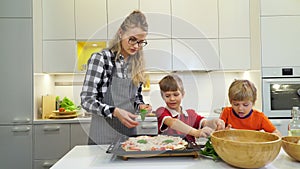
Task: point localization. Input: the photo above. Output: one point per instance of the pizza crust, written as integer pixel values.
(154, 143)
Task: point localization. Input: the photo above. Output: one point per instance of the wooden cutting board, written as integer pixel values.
(48, 105)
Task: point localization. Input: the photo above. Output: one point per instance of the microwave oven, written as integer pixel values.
(279, 96)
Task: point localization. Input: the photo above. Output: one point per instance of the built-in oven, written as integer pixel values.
(280, 92)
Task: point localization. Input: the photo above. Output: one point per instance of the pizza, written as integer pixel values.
(154, 143)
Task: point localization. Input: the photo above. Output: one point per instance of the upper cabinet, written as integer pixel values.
(280, 33)
(21, 8)
(183, 35)
(280, 38)
(59, 56)
(195, 54)
(235, 54)
(280, 7)
(234, 34)
(234, 19)
(117, 11)
(158, 55)
(158, 18)
(90, 20)
(194, 18)
(58, 19)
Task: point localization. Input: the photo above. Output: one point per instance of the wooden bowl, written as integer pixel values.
(246, 148)
(290, 146)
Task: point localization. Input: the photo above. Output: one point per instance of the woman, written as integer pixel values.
(113, 82)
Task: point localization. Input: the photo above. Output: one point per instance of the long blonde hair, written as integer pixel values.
(135, 19)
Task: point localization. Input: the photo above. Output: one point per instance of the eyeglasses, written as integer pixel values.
(133, 41)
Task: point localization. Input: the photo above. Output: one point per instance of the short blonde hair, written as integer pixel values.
(171, 82)
(242, 90)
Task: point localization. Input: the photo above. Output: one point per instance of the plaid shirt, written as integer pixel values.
(97, 80)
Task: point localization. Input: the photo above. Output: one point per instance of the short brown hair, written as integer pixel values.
(171, 82)
(241, 90)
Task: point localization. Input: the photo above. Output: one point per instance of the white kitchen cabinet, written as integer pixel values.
(235, 54)
(58, 19)
(51, 141)
(16, 71)
(195, 54)
(280, 38)
(158, 55)
(158, 14)
(194, 18)
(16, 8)
(280, 7)
(117, 11)
(59, 56)
(234, 18)
(79, 134)
(90, 23)
(16, 147)
(43, 164)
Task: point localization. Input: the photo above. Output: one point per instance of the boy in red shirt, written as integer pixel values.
(241, 115)
(174, 120)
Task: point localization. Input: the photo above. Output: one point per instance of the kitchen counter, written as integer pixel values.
(55, 121)
(94, 157)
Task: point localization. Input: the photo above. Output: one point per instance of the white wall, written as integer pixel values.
(205, 91)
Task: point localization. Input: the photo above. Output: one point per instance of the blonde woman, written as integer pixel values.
(113, 82)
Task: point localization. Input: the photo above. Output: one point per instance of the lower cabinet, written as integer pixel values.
(53, 141)
(16, 147)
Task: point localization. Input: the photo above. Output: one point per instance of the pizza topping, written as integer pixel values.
(142, 141)
(168, 141)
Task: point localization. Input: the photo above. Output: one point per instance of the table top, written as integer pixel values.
(95, 156)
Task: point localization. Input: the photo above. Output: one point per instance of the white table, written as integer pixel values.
(95, 157)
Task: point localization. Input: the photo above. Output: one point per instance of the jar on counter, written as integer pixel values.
(294, 125)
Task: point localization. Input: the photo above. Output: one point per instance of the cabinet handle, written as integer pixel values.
(48, 164)
(21, 129)
(51, 128)
(18, 120)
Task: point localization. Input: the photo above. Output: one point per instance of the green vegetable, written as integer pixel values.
(142, 141)
(143, 113)
(68, 105)
(168, 141)
(209, 150)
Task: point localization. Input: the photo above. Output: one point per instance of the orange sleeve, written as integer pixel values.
(267, 125)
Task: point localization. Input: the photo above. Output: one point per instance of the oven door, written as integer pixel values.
(280, 95)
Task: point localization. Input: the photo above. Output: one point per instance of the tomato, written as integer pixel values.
(61, 109)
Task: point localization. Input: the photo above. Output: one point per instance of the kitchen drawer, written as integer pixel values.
(43, 164)
(51, 141)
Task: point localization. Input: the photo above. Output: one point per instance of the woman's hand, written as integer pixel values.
(147, 107)
(126, 118)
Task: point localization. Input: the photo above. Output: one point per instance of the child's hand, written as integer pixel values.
(215, 124)
(220, 124)
(228, 127)
(205, 131)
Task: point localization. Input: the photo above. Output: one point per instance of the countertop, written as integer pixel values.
(95, 156)
(55, 121)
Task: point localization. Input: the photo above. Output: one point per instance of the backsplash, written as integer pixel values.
(205, 91)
